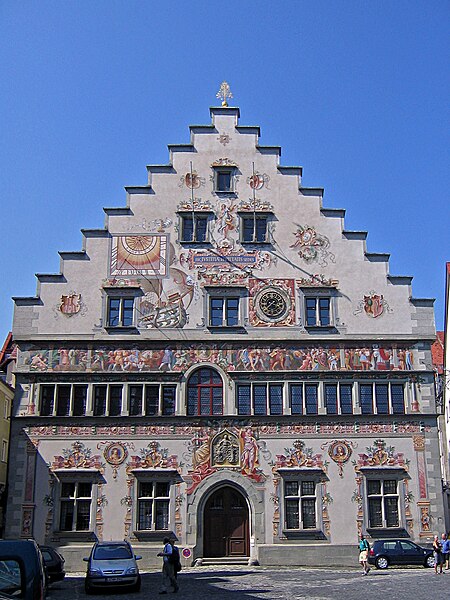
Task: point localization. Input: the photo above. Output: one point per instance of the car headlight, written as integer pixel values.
(131, 571)
(94, 572)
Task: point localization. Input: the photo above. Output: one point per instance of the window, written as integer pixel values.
(153, 505)
(303, 398)
(300, 504)
(205, 393)
(224, 180)
(4, 450)
(254, 228)
(194, 227)
(153, 399)
(382, 398)
(338, 399)
(317, 311)
(62, 400)
(107, 400)
(75, 506)
(383, 505)
(260, 399)
(223, 311)
(120, 311)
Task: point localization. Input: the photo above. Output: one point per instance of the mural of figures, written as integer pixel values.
(312, 246)
(77, 457)
(226, 221)
(180, 358)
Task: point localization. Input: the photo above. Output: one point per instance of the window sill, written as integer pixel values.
(195, 244)
(387, 532)
(229, 193)
(227, 329)
(321, 329)
(264, 244)
(153, 535)
(304, 534)
(122, 330)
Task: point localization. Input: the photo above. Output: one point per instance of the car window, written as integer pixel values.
(389, 546)
(112, 552)
(10, 579)
(46, 555)
(408, 547)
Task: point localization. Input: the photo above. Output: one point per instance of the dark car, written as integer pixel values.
(112, 564)
(54, 564)
(399, 552)
(22, 573)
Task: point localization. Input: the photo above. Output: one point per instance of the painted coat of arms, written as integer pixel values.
(70, 304)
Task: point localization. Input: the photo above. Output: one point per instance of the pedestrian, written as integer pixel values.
(168, 568)
(445, 550)
(364, 548)
(437, 553)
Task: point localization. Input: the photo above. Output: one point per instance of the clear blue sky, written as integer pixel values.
(356, 92)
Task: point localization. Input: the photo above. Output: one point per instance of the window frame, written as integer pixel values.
(121, 295)
(267, 387)
(224, 295)
(375, 401)
(382, 496)
(162, 406)
(195, 216)
(199, 386)
(155, 501)
(76, 499)
(302, 476)
(222, 170)
(53, 400)
(255, 217)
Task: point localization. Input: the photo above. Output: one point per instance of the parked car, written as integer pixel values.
(22, 571)
(399, 552)
(54, 564)
(112, 564)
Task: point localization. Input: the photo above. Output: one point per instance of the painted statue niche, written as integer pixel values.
(225, 450)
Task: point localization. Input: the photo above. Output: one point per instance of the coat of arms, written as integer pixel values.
(70, 304)
(374, 305)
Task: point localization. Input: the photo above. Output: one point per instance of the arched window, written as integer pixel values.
(205, 393)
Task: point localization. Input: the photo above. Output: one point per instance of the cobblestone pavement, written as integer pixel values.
(251, 583)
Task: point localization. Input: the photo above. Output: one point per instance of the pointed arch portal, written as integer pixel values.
(226, 524)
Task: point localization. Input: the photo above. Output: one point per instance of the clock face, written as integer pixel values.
(272, 304)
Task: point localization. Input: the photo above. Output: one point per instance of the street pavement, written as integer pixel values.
(282, 583)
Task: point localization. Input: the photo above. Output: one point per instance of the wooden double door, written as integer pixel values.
(226, 524)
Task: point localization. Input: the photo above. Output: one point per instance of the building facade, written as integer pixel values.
(226, 363)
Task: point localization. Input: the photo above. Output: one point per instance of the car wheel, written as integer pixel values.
(429, 561)
(381, 562)
(137, 586)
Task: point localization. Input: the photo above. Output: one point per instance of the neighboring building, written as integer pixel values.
(6, 402)
(444, 391)
(227, 363)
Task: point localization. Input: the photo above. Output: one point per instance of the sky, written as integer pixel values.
(357, 92)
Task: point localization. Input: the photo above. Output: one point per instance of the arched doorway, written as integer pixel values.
(226, 524)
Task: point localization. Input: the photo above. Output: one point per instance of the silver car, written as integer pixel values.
(112, 564)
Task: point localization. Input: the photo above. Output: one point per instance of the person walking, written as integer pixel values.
(364, 548)
(445, 551)
(437, 553)
(168, 568)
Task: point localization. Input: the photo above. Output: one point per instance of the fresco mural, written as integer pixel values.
(230, 448)
(251, 358)
(153, 457)
(312, 246)
(380, 455)
(340, 452)
(299, 456)
(139, 255)
(77, 457)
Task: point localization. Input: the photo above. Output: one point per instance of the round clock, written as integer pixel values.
(272, 305)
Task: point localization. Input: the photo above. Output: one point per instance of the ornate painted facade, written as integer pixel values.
(226, 363)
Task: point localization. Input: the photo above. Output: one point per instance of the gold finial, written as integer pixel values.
(224, 93)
